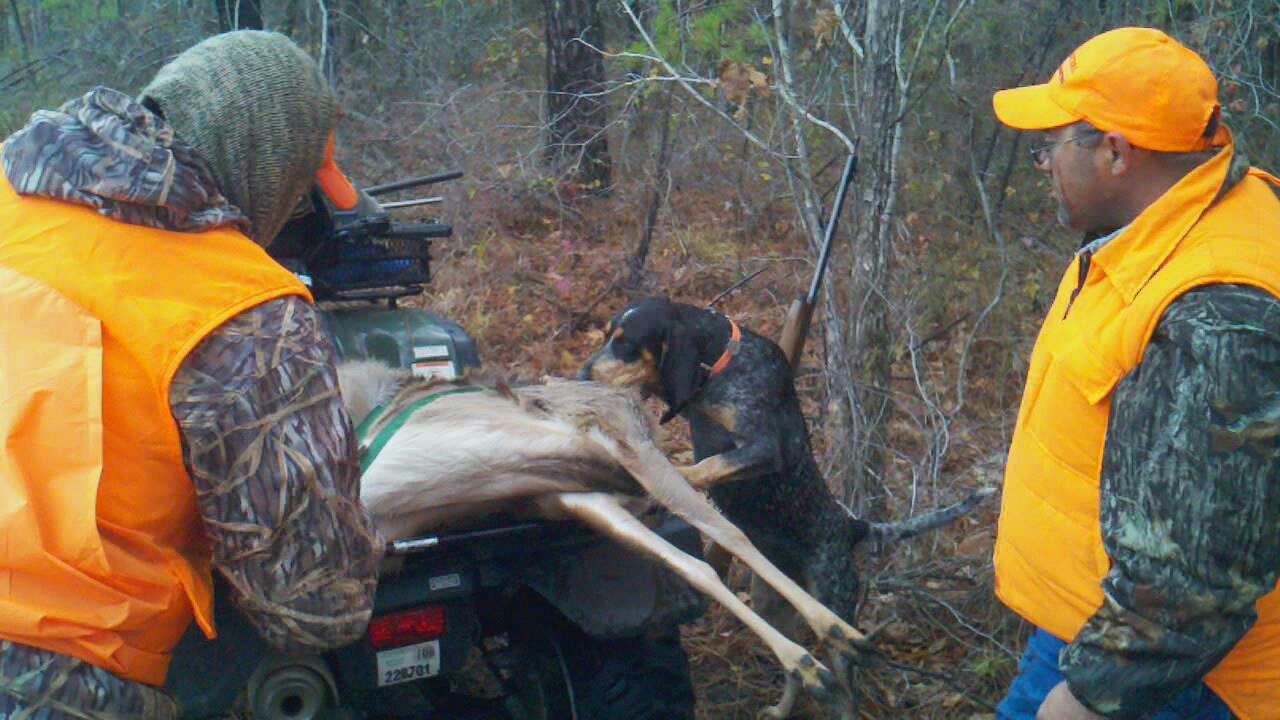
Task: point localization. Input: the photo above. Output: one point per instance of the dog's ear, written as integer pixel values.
(680, 368)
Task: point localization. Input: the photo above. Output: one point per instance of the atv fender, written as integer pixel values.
(610, 591)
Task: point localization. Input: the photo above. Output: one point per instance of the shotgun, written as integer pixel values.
(796, 328)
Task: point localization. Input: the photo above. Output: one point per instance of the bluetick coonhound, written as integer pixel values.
(750, 440)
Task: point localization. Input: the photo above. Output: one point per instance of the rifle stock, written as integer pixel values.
(800, 314)
(795, 329)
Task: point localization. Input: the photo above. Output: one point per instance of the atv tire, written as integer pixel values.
(572, 675)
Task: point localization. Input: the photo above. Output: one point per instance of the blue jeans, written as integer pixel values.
(1038, 674)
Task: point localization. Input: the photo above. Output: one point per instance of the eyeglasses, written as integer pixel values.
(1040, 153)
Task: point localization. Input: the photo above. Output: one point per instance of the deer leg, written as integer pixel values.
(603, 513)
(664, 483)
(782, 710)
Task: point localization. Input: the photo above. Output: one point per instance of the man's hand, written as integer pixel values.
(1060, 704)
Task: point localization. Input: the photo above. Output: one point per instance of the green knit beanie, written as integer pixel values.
(256, 107)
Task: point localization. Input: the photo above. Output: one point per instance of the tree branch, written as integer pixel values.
(679, 78)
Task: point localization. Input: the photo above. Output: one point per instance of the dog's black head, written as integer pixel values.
(650, 346)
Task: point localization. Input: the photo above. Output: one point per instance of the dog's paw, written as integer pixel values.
(691, 475)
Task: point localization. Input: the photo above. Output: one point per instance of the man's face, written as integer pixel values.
(1076, 176)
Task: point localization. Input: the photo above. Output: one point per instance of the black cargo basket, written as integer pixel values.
(360, 267)
(358, 254)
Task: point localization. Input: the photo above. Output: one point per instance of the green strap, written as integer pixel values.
(368, 454)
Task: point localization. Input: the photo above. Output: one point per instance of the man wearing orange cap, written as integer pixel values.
(168, 394)
(1138, 530)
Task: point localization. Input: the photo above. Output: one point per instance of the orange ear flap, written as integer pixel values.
(333, 183)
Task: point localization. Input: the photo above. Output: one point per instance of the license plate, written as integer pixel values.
(409, 663)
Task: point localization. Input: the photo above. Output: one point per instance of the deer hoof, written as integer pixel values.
(816, 678)
(776, 712)
(845, 641)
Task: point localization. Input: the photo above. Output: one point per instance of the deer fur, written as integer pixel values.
(569, 449)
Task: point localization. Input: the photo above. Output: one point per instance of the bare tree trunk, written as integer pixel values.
(239, 14)
(22, 36)
(330, 38)
(16, 19)
(657, 195)
(1271, 58)
(868, 337)
(355, 21)
(38, 27)
(575, 108)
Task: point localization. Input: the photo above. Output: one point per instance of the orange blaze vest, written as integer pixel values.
(102, 550)
(1049, 555)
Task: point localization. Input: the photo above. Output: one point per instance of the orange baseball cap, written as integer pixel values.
(1138, 82)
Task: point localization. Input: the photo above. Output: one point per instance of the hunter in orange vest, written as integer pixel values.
(168, 395)
(1142, 492)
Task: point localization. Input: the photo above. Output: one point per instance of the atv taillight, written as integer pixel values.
(406, 628)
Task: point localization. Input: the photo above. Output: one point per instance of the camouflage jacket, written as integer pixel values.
(280, 499)
(1192, 442)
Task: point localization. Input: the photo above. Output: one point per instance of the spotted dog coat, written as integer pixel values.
(750, 439)
(751, 445)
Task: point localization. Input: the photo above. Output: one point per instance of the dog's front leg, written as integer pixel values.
(752, 458)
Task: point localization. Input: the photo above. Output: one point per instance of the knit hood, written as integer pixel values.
(258, 110)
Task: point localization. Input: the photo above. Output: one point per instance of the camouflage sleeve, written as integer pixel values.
(269, 446)
(1190, 503)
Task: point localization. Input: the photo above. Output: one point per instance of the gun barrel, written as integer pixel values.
(411, 203)
(412, 231)
(417, 545)
(849, 167)
(407, 183)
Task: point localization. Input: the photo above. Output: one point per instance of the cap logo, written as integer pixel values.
(1062, 69)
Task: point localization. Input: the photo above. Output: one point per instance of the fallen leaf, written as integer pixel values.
(979, 544)
(896, 632)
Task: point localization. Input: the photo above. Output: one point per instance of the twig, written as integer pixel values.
(940, 676)
(657, 55)
(941, 332)
(735, 286)
(15, 76)
(577, 318)
(657, 197)
(846, 30)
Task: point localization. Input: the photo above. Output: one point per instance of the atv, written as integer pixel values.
(510, 621)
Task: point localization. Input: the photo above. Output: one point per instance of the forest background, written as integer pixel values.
(619, 148)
